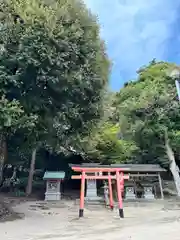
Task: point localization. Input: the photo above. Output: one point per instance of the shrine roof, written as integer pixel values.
(126, 167)
(54, 175)
(140, 167)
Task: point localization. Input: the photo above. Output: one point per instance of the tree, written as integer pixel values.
(105, 146)
(54, 63)
(149, 114)
(59, 63)
(12, 118)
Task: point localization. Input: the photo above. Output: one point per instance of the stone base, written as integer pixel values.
(88, 202)
(149, 197)
(52, 196)
(148, 193)
(129, 194)
(130, 197)
(97, 198)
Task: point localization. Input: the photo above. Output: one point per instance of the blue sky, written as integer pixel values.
(135, 32)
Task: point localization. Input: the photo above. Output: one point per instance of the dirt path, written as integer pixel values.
(148, 221)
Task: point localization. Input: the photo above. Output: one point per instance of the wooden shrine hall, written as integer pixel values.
(144, 180)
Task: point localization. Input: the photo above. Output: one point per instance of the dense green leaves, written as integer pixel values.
(53, 75)
(54, 63)
(12, 117)
(147, 109)
(104, 145)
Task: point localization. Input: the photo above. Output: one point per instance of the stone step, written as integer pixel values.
(91, 202)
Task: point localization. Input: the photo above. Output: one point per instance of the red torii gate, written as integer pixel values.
(119, 176)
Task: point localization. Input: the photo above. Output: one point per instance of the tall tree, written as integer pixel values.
(54, 63)
(12, 118)
(59, 63)
(149, 114)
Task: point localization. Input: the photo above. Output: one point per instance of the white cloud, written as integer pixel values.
(136, 31)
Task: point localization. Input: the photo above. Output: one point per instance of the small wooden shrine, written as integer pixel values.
(144, 180)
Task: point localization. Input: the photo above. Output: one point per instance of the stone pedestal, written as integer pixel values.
(91, 190)
(53, 191)
(148, 193)
(130, 195)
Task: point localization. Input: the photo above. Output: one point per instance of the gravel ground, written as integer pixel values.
(158, 220)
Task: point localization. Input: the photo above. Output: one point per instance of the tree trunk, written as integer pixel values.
(173, 167)
(2, 156)
(31, 173)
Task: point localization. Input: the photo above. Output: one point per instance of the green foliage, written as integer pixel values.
(53, 63)
(147, 109)
(105, 146)
(12, 117)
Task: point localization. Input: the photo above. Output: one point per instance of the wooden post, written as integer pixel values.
(81, 209)
(120, 202)
(160, 185)
(111, 204)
